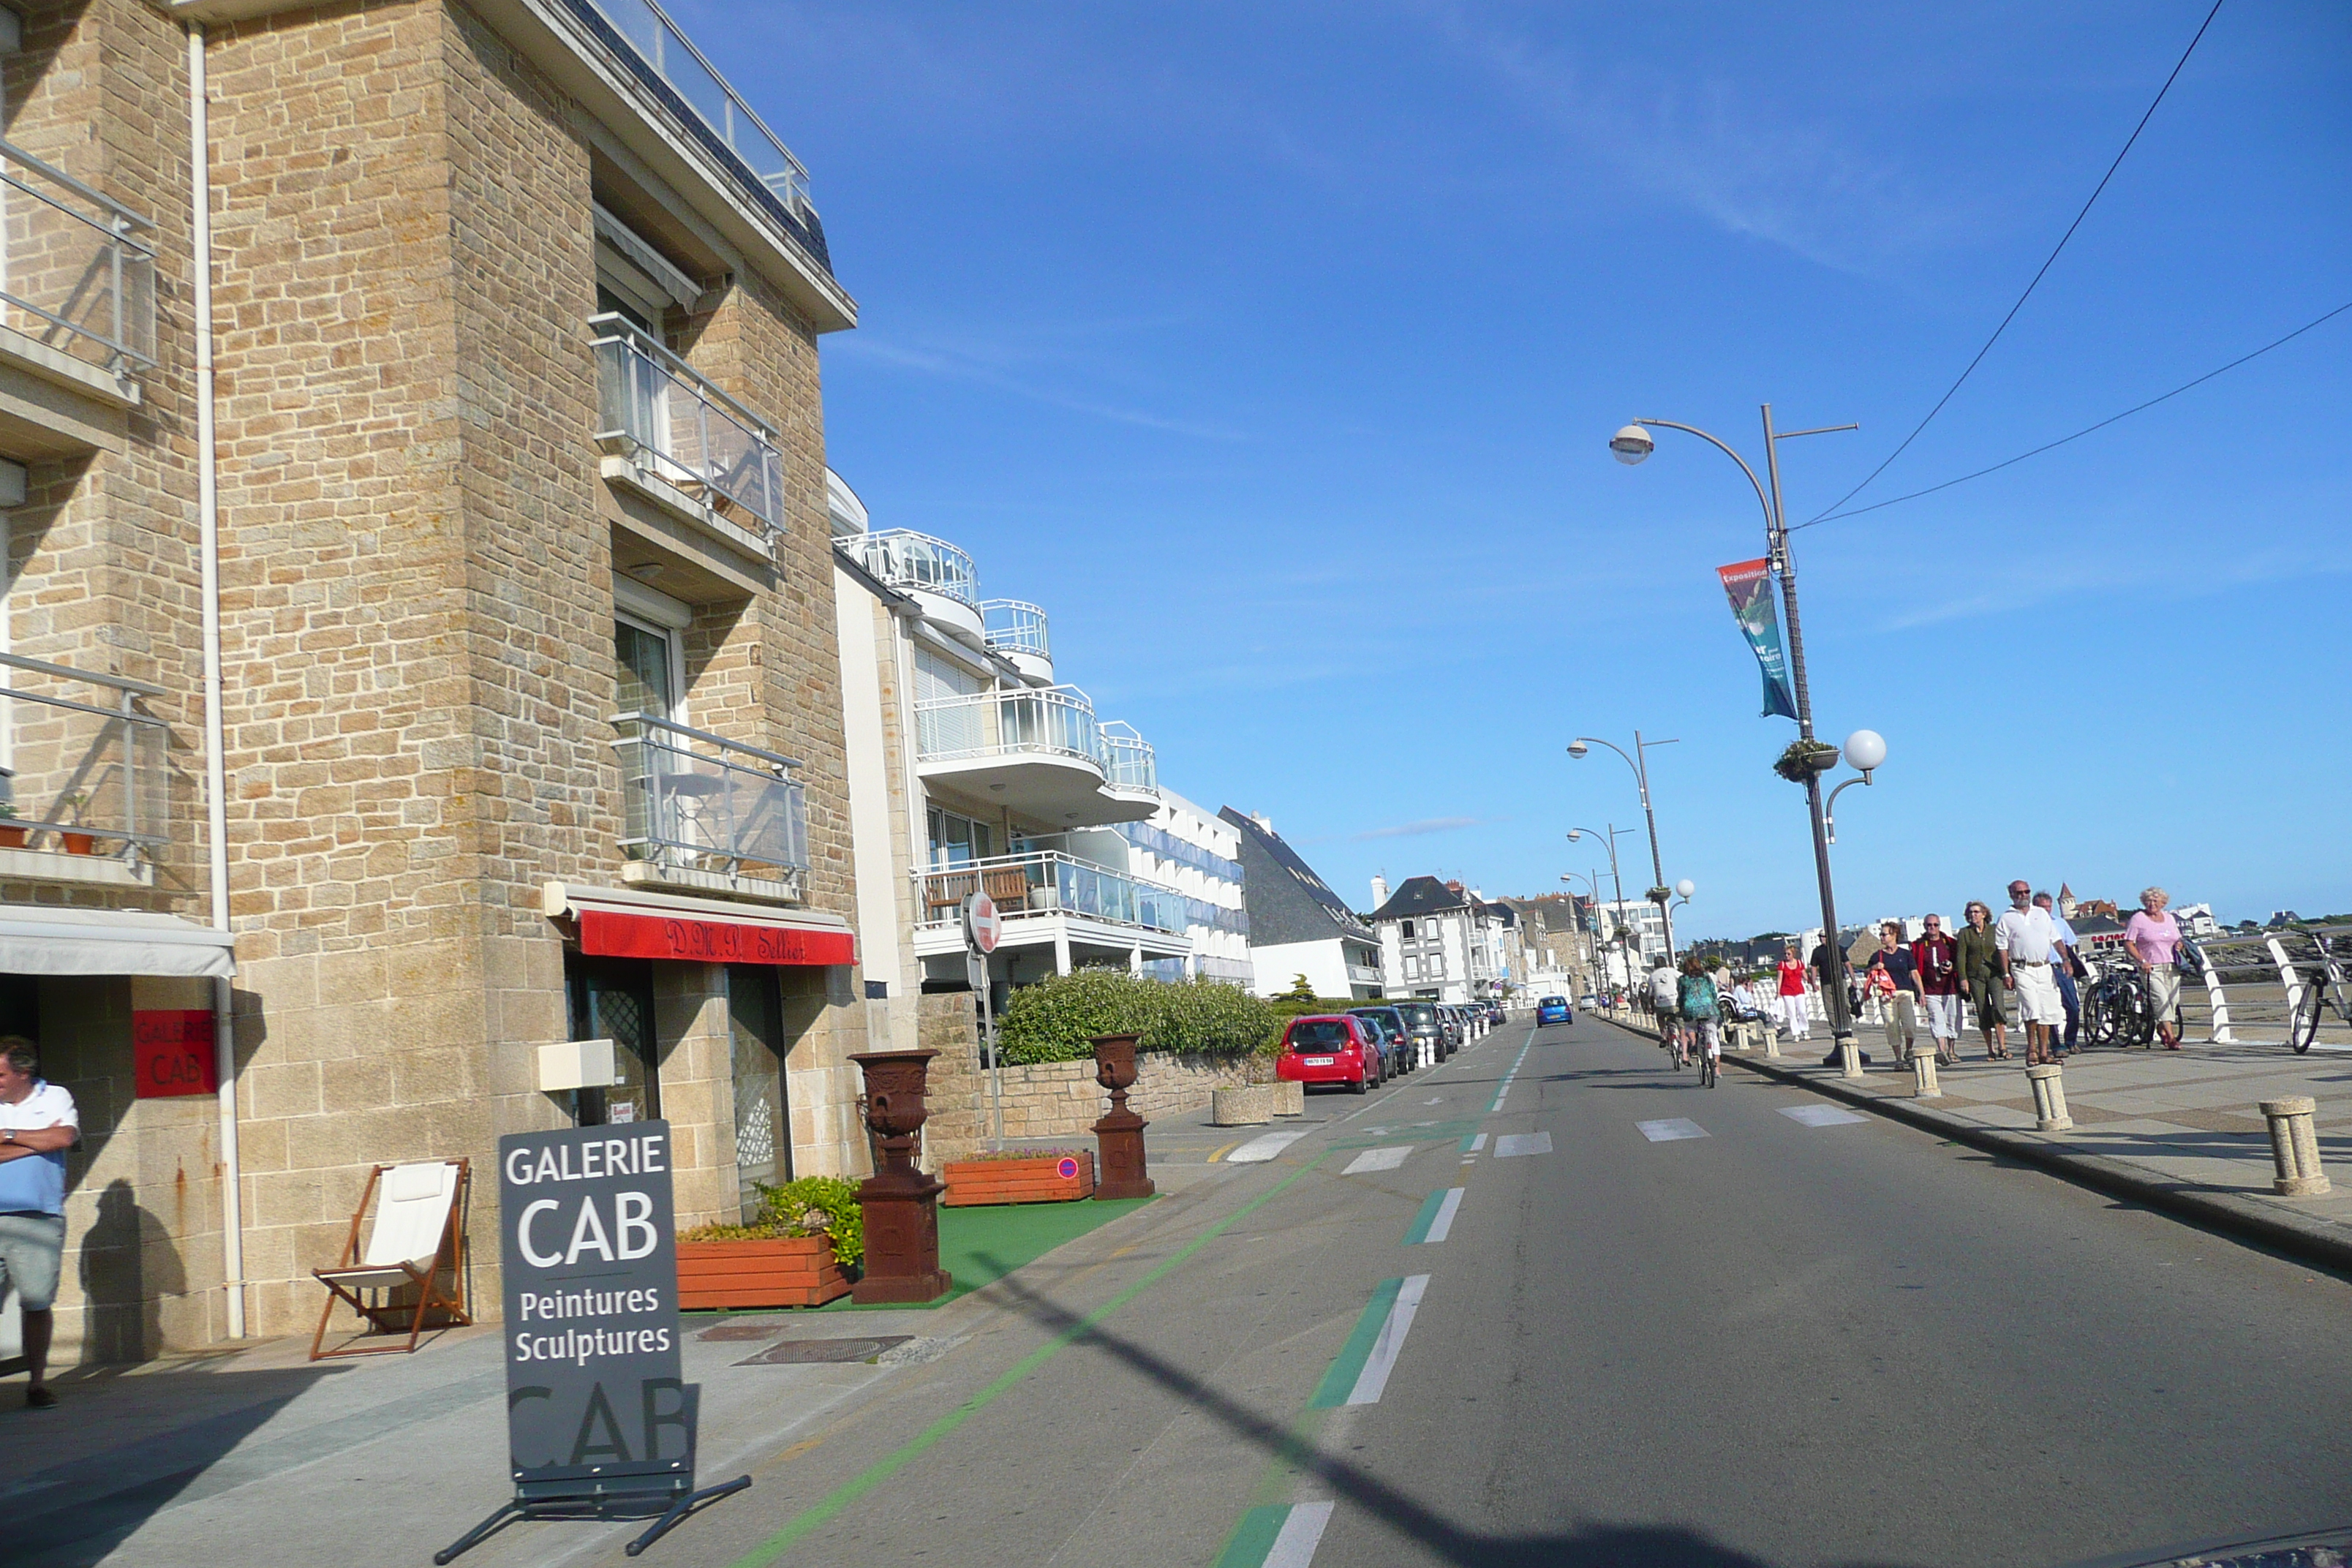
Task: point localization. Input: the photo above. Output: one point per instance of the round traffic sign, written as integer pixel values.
(982, 926)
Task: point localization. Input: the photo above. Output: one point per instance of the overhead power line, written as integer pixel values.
(2047, 263)
(2085, 430)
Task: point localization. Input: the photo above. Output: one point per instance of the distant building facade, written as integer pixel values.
(1296, 924)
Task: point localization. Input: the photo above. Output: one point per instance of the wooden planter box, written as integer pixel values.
(796, 1272)
(1038, 1181)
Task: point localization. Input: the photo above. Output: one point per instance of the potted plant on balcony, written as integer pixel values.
(802, 1249)
(11, 836)
(77, 842)
(1020, 1177)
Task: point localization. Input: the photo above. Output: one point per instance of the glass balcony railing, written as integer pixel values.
(82, 769)
(672, 57)
(684, 430)
(1128, 761)
(1016, 628)
(1051, 883)
(73, 275)
(694, 801)
(905, 559)
(1058, 720)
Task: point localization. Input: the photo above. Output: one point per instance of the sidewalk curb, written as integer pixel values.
(2239, 1216)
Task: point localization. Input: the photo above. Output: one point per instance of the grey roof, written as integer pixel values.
(1287, 901)
(1421, 896)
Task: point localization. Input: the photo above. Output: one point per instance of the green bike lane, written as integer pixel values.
(1126, 1397)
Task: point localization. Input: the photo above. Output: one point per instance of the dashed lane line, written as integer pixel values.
(1472, 1145)
(1435, 1220)
(1282, 1536)
(1504, 1088)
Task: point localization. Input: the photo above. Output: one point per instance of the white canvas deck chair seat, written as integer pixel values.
(416, 1248)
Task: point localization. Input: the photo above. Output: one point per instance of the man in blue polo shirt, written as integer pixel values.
(38, 1125)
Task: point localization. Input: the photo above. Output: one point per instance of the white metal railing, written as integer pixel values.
(1048, 883)
(79, 771)
(666, 49)
(905, 559)
(72, 274)
(683, 427)
(696, 801)
(1128, 761)
(1016, 628)
(1057, 720)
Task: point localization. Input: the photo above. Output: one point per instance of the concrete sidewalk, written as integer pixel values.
(2179, 1131)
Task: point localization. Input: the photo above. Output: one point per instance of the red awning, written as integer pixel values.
(637, 924)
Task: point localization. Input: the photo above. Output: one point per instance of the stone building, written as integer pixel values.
(505, 502)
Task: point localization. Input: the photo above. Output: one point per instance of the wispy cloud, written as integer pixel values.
(963, 366)
(1417, 829)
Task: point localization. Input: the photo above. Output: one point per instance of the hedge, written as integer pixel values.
(1057, 1019)
(804, 1207)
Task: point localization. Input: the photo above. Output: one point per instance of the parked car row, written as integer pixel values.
(1365, 1046)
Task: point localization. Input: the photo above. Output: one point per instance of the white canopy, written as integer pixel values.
(36, 941)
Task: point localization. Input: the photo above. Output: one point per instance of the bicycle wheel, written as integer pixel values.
(2302, 1019)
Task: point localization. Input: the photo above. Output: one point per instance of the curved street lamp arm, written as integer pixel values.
(1771, 526)
(1829, 806)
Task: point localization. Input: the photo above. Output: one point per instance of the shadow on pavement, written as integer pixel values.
(1587, 1546)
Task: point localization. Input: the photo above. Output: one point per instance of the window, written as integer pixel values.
(958, 840)
(1407, 933)
(648, 663)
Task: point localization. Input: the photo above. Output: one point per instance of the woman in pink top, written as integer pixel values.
(2153, 940)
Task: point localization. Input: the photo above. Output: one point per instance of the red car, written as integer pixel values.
(1329, 1048)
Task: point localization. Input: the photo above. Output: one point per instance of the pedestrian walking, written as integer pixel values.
(2153, 939)
(2068, 966)
(1980, 978)
(38, 1125)
(1794, 1012)
(1936, 958)
(1898, 990)
(2025, 935)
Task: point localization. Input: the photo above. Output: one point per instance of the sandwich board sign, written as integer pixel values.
(600, 1423)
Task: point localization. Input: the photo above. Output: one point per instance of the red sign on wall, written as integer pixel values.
(709, 941)
(171, 1053)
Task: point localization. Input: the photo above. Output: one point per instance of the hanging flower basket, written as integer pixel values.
(1805, 761)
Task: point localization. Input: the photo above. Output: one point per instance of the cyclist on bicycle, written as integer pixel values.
(1696, 1001)
(1662, 993)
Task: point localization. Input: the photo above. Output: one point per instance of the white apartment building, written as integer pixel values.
(1198, 854)
(1644, 925)
(1440, 941)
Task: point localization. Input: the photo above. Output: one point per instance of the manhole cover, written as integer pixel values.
(739, 1331)
(804, 1352)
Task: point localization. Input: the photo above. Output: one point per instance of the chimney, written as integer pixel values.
(1380, 891)
(1263, 820)
(1454, 887)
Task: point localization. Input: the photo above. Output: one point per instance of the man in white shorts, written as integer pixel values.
(38, 1125)
(2026, 936)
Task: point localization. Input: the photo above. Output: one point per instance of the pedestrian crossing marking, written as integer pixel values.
(1383, 1159)
(1667, 1129)
(1821, 1115)
(1511, 1143)
(1265, 1146)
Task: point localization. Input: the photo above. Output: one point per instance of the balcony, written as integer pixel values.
(673, 438)
(81, 777)
(1131, 767)
(77, 310)
(709, 814)
(1088, 912)
(939, 575)
(1017, 631)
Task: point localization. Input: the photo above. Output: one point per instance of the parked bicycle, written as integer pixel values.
(2118, 1009)
(2324, 986)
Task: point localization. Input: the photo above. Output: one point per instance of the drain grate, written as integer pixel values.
(806, 1352)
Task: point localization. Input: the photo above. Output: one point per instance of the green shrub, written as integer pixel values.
(1057, 1019)
(811, 1207)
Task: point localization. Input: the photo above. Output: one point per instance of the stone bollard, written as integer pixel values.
(1923, 1077)
(1771, 1040)
(2048, 1080)
(1244, 1106)
(1849, 1057)
(1290, 1098)
(2294, 1146)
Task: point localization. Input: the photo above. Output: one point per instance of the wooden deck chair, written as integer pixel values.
(417, 1242)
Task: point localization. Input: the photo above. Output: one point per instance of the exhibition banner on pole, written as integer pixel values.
(1750, 585)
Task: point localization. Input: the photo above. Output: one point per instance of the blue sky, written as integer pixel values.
(1273, 350)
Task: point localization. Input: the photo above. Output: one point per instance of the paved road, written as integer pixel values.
(1763, 1341)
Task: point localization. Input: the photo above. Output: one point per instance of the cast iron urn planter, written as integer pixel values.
(1120, 1135)
(901, 1205)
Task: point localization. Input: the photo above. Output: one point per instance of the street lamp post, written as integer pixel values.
(1610, 842)
(1639, 762)
(1634, 443)
(1592, 930)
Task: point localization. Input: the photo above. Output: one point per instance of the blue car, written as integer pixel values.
(1554, 1010)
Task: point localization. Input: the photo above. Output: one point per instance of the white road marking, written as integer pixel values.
(1444, 1220)
(1265, 1146)
(1821, 1115)
(1375, 1375)
(1665, 1130)
(1434, 1099)
(1478, 1142)
(1511, 1143)
(1294, 1544)
(1504, 1088)
(1383, 1159)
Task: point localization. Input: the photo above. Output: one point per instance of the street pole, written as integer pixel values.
(1657, 864)
(1784, 562)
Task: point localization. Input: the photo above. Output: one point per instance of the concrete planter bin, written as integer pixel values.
(1247, 1107)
